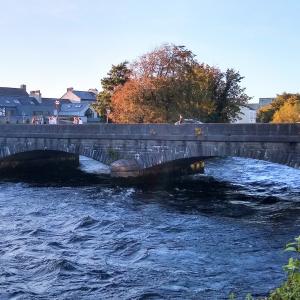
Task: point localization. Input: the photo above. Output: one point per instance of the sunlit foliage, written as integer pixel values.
(167, 82)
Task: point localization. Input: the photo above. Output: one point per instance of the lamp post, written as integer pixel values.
(57, 103)
(107, 114)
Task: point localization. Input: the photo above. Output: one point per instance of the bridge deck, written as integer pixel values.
(167, 132)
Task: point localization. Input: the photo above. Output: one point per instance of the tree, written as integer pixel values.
(167, 61)
(130, 104)
(276, 109)
(265, 114)
(228, 96)
(116, 77)
(169, 81)
(164, 78)
(289, 112)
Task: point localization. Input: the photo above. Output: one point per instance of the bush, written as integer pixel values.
(290, 290)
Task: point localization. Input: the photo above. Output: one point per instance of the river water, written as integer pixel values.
(199, 238)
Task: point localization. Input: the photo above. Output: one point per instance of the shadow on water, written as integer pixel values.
(54, 177)
(205, 194)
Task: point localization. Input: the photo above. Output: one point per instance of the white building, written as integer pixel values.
(76, 96)
(265, 101)
(247, 115)
(83, 110)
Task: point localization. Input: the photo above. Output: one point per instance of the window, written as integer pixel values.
(16, 101)
(89, 113)
(37, 113)
(2, 112)
(10, 112)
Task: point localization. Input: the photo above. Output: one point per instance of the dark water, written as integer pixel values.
(200, 238)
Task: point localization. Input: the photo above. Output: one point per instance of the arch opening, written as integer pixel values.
(38, 161)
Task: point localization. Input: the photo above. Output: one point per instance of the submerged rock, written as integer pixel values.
(125, 168)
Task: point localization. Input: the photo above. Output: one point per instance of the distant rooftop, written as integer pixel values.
(265, 101)
(74, 108)
(51, 101)
(254, 106)
(17, 92)
(17, 101)
(75, 95)
(89, 96)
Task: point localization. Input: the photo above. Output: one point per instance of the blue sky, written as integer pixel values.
(54, 44)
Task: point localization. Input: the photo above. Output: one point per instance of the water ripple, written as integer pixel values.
(195, 239)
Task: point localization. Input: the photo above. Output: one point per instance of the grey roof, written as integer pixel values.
(28, 110)
(24, 105)
(15, 101)
(88, 96)
(51, 101)
(254, 106)
(6, 91)
(18, 100)
(73, 109)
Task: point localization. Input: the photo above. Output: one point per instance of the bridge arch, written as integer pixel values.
(11, 149)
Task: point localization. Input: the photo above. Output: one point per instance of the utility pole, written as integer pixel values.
(57, 103)
(107, 114)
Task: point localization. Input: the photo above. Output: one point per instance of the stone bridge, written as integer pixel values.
(138, 148)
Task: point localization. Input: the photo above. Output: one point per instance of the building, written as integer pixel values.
(84, 110)
(80, 105)
(48, 104)
(76, 96)
(265, 101)
(247, 115)
(17, 106)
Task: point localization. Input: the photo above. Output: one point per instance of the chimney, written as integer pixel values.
(37, 95)
(70, 89)
(23, 87)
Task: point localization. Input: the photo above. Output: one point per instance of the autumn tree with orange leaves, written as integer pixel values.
(285, 108)
(169, 81)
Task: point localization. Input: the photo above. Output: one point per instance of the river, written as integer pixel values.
(202, 237)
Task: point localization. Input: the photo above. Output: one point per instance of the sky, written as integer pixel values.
(51, 45)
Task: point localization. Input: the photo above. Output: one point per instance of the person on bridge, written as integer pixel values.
(180, 120)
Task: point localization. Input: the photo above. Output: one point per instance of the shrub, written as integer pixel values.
(290, 290)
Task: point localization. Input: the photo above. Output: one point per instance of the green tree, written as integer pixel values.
(228, 96)
(116, 77)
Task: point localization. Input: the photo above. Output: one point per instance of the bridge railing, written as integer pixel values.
(201, 132)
